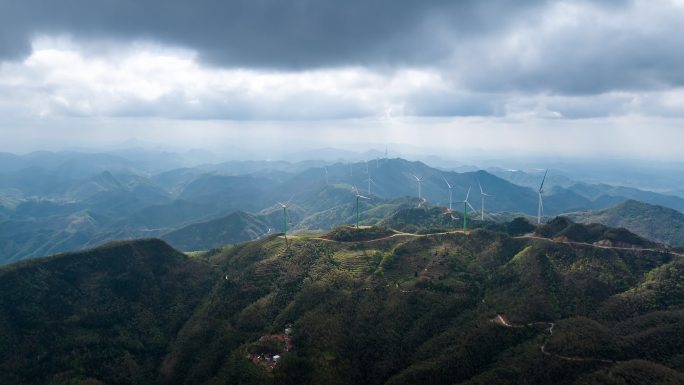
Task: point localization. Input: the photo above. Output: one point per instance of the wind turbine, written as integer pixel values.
(370, 180)
(420, 181)
(482, 197)
(467, 204)
(284, 206)
(540, 209)
(326, 174)
(358, 196)
(451, 190)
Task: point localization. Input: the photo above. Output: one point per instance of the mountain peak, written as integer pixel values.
(658, 223)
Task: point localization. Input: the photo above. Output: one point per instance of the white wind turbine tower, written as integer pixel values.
(482, 197)
(467, 204)
(370, 180)
(451, 191)
(540, 209)
(286, 217)
(420, 181)
(358, 196)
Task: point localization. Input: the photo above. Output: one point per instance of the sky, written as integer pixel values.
(487, 77)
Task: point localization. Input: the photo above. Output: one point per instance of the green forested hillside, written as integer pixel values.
(657, 223)
(565, 229)
(393, 308)
(107, 313)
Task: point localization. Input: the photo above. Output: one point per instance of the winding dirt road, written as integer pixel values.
(402, 234)
(640, 249)
(396, 234)
(501, 320)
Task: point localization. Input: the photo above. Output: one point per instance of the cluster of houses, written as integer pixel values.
(270, 360)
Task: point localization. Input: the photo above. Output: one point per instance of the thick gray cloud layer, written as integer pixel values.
(574, 47)
(314, 33)
(548, 59)
(270, 33)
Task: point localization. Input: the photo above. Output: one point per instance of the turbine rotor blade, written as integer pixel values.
(468, 194)
(471, 206)
(541, 186)
(445, 181)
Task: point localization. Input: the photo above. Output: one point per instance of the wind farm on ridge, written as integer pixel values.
(468, 214)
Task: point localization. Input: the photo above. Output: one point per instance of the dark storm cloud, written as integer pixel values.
(268, 33)
(582, 59)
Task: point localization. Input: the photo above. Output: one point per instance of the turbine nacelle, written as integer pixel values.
(467, 204)
(286, 217)
(358, 195)
(482, 191)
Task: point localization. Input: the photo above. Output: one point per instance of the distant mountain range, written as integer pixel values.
(56, 202)
(236, 227)
(586, 195)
